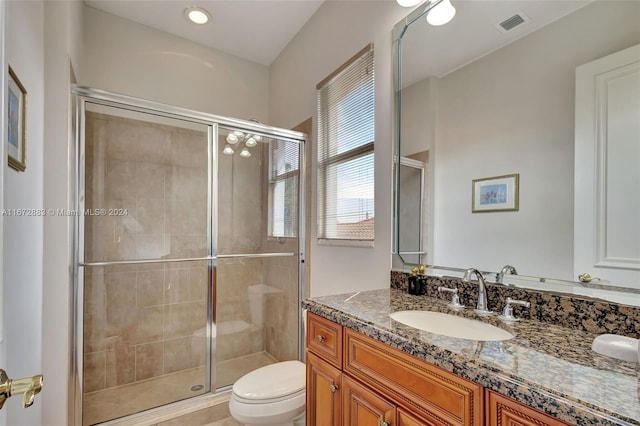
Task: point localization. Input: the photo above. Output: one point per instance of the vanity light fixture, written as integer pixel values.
(245, 153)
(232, 139)
(197, 15)
(438, 12)
(441, 13)
(251, 142)
(228, 150)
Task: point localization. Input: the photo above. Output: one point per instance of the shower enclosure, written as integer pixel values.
(189, 252)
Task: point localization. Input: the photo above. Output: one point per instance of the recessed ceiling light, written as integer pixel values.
(197, 15)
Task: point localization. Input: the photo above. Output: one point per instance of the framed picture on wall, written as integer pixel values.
(16, 120)
(495, 194)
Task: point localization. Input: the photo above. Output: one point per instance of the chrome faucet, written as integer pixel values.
(481, 307)
(508, 269)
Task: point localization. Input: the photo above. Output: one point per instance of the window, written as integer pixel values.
(283, 188)
(345, 151)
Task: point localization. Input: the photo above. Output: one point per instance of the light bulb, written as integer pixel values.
(245, 153)
(251, 142)
(441, 14)
(258, 138)
(238, 133)
(408, 3)
(228, 150)
(197, 15)
(232, 139)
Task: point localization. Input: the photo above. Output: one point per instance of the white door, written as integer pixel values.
(3, 416)
(18, 356)
(607, 169)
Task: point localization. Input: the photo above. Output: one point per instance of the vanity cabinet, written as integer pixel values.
(505, 411)
(360, 381)
(355, 380)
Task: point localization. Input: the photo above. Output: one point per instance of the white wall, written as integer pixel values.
(513, 112)
(129, 58)
(22, 241)
(337, 31)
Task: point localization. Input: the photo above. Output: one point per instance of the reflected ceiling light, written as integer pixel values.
(442, 13)
(228, 150)
(232, 139)
(238, 133)
(251, 142)
(245, 153)
(408, 3)
(197, 15)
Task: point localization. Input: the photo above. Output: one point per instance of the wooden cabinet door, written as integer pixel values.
(324, 390)
(503, 411)
(362, 407)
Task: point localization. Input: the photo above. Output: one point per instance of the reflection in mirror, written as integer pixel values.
(412, 224)
(485, 101)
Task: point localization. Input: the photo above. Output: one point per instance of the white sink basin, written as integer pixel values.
(451, 325)
(615, 346)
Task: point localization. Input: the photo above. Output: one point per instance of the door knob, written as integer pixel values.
(27, 386)
(585, 277)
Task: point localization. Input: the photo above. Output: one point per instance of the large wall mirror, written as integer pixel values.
(493, 94)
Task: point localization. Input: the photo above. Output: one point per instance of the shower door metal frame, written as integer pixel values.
(81, 95)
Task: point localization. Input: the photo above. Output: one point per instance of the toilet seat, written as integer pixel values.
(272, 383)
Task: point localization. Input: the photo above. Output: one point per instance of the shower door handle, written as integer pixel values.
(27, 386)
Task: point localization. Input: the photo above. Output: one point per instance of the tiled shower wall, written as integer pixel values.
(143, 321)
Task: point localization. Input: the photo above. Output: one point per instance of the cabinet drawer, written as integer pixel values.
(324, 337)
(429, 391)
(508, 412)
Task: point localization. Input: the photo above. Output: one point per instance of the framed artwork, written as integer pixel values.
(17, 110)
(495, 194)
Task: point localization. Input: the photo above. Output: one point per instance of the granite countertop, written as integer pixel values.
(545, 366)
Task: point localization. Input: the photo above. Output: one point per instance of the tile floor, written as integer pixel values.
(225, 422)
(124, 400)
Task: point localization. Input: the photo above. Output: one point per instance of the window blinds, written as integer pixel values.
(345, 151)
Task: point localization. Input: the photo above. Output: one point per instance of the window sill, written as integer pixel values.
(345, 243)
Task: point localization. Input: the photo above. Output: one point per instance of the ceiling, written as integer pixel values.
(256, 30)
(474, 32)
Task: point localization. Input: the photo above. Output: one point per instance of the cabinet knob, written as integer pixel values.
(320, 338)
(383, 422)
(333, 388)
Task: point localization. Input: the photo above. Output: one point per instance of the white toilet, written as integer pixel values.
(273, 395)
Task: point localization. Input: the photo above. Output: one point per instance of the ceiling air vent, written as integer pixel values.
(512, 22)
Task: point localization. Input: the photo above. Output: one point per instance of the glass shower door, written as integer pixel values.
(258, 252)
(146, 273)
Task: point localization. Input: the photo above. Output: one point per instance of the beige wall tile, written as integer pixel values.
(179, 354)
(176, 320)
(150, 326)
(150, 288)
(149, 360)
(94, 365)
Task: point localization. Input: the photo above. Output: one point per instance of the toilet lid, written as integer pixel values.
(273, 381)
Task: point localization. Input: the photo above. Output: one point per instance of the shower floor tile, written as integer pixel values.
(133, 398)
